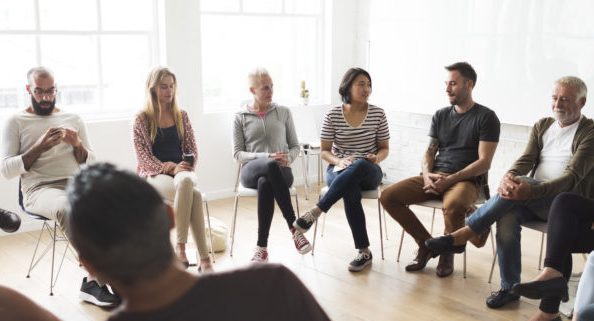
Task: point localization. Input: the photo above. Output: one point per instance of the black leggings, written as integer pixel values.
(272, 182)
(569, 231)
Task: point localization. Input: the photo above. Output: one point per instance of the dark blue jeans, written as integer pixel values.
(348, 184)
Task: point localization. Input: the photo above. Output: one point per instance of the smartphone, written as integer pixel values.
(189, 158)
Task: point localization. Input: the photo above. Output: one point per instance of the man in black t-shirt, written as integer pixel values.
(462, 142)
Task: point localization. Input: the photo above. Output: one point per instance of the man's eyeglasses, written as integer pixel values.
(45, 92)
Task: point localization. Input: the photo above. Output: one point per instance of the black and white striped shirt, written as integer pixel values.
(355, 141)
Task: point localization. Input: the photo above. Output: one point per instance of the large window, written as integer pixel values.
(287, 37)
(100, 51)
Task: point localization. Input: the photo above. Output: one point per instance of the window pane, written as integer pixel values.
(303, 6)
(219, 5)
(262, 6)
(126, 15)
(68, 14)
(14, 76)
(17, 15)
(75, 69)
(126, 65)
(228, 56)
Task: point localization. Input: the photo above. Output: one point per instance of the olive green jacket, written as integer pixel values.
(578, 177)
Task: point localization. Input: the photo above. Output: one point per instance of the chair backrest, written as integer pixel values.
(483, 182)
(21, 197)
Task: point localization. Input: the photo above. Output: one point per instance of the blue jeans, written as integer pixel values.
(348, 184)
(509, 215)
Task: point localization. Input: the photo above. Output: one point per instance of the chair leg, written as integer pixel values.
(209, 230)
(297, 203)
(492, 267)
(385, 223)
(379, 214)
(464, 268)
(53, 258)
(31, 265)
(313, 246)
(305, 173)
(400, 246)
(542, 237)
(432, 222)
(233, 223)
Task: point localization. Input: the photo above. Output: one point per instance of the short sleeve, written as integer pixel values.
(490, 127)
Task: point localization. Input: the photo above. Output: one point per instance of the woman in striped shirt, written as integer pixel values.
(354, 140)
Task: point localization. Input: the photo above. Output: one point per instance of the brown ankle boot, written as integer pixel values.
(445, 267)
(424, 254)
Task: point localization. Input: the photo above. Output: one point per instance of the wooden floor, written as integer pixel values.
(384, 292)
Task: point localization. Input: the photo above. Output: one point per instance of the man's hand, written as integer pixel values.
(429, 180)
(281, 158)
(51, 138)
(513, 188)
(71, 137)
(182, 167)
(442, 184)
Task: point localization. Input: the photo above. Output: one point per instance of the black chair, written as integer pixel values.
(56, 235)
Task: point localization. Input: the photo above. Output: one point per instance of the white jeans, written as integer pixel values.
(180, 191)
(48, 200)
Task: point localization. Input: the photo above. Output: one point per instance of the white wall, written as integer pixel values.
(111, 139)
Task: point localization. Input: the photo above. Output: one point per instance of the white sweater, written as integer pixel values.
(20, 133)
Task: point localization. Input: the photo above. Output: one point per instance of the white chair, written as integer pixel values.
(56, 234)
(438, 204)
(367, 194)
(242, 191)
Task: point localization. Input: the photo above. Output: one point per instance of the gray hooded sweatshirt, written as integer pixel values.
(255, 137)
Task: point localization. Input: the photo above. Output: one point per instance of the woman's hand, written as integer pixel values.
(281, 158)
(182, 167)
(372, 158)
(345, 162)
(168, 168)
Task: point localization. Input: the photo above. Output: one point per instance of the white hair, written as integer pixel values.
(255, 75)
(575, 83)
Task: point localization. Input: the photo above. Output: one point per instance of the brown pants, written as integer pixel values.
(456, 199)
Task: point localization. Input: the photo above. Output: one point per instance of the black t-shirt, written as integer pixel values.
(267, 292)
(167, 145)
(459, 135)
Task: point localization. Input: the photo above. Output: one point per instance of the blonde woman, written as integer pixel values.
(165, 151)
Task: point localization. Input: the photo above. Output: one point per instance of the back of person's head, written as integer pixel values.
(465, 70)
(118, 223)
(347, 83)
(576, 83)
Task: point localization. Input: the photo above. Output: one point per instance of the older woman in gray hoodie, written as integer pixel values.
(265, 142)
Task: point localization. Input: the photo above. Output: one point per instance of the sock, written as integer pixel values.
(365, 250)
(316, 211)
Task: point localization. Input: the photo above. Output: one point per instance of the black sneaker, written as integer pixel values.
(362, 260)
(98, 295)
(500, 298)
(303, 223)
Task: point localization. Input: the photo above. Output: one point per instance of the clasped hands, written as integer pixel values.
(435, 183)
(514, 188)
(281, 158)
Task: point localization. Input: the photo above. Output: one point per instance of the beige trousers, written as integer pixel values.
(180, 191)
(48, 200)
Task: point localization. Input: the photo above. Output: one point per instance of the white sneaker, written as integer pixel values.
(260, 255)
